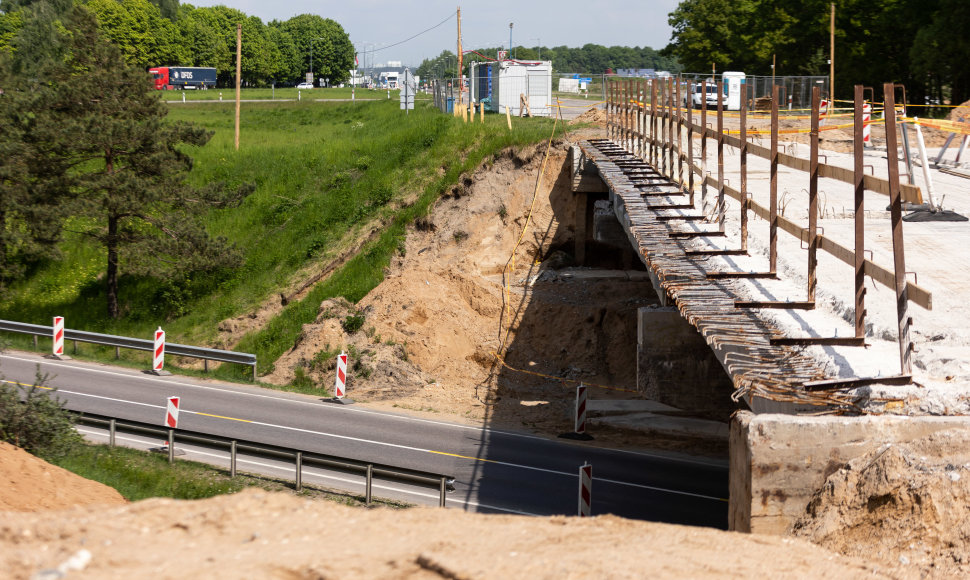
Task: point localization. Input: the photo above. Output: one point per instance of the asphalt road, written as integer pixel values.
(495, 471)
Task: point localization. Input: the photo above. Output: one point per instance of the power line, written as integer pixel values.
(450, 16)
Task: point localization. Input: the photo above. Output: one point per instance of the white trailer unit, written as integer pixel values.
(512, 80)
(732, 86)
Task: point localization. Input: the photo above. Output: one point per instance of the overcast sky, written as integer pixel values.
(372, 24)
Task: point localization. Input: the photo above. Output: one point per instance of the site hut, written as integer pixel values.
(500, 85)
(732, 86)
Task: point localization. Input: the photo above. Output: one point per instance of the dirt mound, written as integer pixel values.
(431, 330)
(596, 116)
(960, 114)
(907, 505)
(255, 534)
(32, 484)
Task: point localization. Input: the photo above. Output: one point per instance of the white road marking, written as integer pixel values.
(335, 408)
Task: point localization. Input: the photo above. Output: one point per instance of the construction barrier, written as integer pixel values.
(172, 413)
(341, 382)
(866, 130)
(58, 336)
(585, 489)
(158, 361)
(581, 409)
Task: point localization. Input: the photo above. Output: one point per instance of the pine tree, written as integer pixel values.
(128, 169)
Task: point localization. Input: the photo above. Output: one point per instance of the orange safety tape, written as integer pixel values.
(562, 380)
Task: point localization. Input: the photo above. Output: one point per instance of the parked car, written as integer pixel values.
(697, 93)
(305, 85)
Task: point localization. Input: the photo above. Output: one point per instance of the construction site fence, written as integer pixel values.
(647, 119)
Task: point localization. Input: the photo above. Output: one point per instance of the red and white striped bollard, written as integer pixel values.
(58, 336)
(866, 116)
(158, 361)
(585, 489)
(172, 413)
(581, 409)
(341, 381)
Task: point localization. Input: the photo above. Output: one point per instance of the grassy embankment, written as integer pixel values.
(285, 93)
(139, 475)
(328, 175)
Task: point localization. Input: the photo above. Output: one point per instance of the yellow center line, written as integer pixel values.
(219, 417)
(462, 456)
(26, 385)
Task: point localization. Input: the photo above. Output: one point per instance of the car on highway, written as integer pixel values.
(693, 98)
(305, 86)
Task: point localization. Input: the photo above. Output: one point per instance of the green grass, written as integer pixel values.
(140, 475)
(326, 176)
(280, 93)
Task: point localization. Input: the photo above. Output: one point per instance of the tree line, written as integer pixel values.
(85, 149)
(163, 32)
(587, 59)
(919, 43)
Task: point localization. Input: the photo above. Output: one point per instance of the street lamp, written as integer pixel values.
(510, 38)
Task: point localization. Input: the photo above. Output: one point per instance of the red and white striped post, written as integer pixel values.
(172, 413)
(585, 489)
(58, 336)
(866, 116)
(581, 409)
(340, 383)
(158, 361)
(823, 107)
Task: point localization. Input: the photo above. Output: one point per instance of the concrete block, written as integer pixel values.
(777, 462)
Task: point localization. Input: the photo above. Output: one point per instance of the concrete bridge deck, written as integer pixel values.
(659, 223)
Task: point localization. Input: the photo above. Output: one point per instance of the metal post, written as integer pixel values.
(703, 143)
(653, 123)
(744, 167)
(299, 470)
(232, 458)
(720, 156)
(813, 196)
(171, 445)
(896, 216)
(907, 154)
(112, 425)
(35, 342)
(367, 485)
(670, 124)
(773, 186)
(690, 147)
(443, 491)
(117, 353)
(860, 204)
(75, 346)
(205, 365)
(680, 134)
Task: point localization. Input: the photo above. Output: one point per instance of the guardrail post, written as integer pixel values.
(443, 491)
(232, 458)
(367, 486)
(117, 352)
(35, 342)
(171, 445)
(299, 470)
(111, 432)
(254, 372)
(75, 346)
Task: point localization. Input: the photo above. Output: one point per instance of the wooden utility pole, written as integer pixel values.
(461, 85)
(832, 55)
(238, 73)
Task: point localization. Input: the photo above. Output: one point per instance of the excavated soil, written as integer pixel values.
(435, 333)
(907, 505)
(255, 534)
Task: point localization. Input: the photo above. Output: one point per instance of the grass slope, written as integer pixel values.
(327, 176)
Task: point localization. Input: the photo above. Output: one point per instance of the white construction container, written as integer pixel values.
(732, 86)
(502, 84)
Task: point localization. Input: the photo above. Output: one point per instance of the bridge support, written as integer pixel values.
(778, 462)
(675, 366)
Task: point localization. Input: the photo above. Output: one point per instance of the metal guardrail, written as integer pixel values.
(206, 354)
(442, 482)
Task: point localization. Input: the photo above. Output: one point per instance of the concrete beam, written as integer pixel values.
(778, 462)
(585, 176)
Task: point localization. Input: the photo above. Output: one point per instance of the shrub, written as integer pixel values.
(36, 421)
(353, 323)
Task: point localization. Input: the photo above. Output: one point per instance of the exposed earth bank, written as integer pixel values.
(255, 534)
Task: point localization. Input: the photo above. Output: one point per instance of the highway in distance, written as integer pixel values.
(495, 471)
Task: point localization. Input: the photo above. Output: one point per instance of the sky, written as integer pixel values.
(374, 25)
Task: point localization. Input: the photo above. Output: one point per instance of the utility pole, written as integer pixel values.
(461, 85)
(238, 73)
(510, 39)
